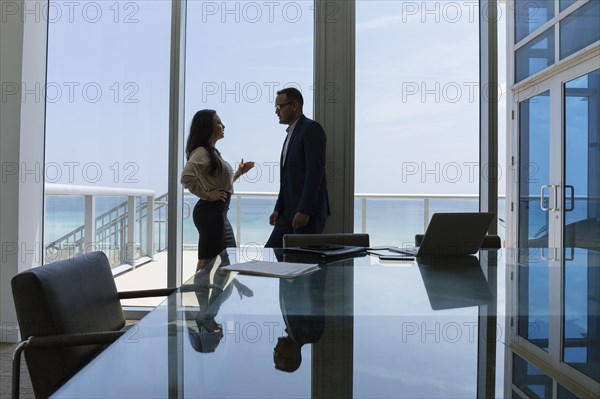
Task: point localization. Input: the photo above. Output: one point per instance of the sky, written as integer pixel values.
(416, 89)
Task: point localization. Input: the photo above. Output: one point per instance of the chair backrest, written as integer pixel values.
(70, 296)
(351, 239)
(490, 241)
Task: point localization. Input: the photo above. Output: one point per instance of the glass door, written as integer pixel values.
(582, 162)
(559, 162)
(535, 201)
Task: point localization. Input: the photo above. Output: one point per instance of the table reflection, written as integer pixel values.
(509, 323)
(555, 304)
(454, 282)
(302, 302)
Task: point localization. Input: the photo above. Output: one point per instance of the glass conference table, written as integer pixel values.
(508, 323)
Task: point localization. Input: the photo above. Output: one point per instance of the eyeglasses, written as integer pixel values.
(279, 106)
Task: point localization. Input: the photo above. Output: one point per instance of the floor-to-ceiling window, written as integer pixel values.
(239, 54)
(107, 97)
(417, 115)
(417, 152)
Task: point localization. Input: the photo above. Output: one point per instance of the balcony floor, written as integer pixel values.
(153, 275)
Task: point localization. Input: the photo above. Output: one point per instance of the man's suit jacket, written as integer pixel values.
(303, 185)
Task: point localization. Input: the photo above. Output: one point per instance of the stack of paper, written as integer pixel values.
(272, 269)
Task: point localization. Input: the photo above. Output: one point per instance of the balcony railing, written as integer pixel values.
(426, 204)
(133, 234)
(114, 231)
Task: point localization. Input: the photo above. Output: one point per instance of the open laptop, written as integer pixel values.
(452, 234)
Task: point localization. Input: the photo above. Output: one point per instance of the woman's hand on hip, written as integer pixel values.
(217, 195)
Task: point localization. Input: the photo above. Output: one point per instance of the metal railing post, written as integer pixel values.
(238, 215)
(150, 226)
(89, 234)
(130, 243)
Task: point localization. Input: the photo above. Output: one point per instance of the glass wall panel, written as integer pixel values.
(580, 29)
(530, 15)
(530, 380)
(564, 393)
(239, 54)
(417, 113)
(582, 162)
(534, 169)
(564, 4)
(535, 55)
(107, 98)
(534, 320)
(581, 323)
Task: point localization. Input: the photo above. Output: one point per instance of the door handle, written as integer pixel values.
(552, 254)
(550, 206)
(569, 187)
(552, 197)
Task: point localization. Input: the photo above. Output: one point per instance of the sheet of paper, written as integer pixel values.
(273, 269)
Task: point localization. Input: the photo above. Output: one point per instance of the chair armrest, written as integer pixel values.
(146, 293)
(195, 287)
(491, 241)
(418, 239)
(91, 338)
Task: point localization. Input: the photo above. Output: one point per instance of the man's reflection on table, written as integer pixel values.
(302, 302)
(213, 287)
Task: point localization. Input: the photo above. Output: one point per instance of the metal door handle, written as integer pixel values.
(549, 208)
(553, 254)
(569, 209)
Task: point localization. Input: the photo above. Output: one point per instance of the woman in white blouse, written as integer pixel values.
(208, 176)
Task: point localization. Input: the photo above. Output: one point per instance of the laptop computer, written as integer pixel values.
(452, 234)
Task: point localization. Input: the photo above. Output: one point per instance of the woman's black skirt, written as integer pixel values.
(214, 229)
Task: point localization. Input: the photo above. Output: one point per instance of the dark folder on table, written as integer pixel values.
(327, 250)
(454, 282)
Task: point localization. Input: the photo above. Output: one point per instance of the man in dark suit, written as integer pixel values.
(302, 205)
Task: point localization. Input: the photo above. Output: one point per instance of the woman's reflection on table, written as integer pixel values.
(212, 287)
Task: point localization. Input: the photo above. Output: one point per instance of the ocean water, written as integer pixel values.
(388, 222)
(65, 213)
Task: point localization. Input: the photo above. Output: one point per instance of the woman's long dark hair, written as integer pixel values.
(201, 131)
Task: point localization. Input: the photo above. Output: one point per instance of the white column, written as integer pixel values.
(22, 113)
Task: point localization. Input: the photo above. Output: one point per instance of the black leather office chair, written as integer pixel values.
(67, 311)
(350, 239)
(490, 241)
